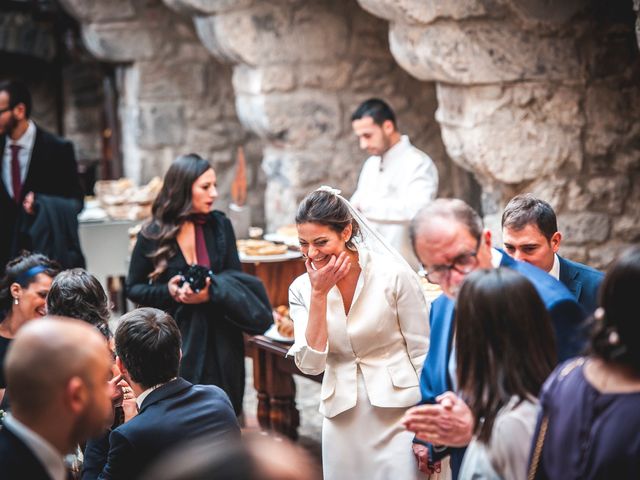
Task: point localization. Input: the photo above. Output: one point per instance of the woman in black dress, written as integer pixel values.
(23, 295)
(184, 231)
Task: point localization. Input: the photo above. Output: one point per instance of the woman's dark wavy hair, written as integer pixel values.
(505, 344)
(19, 266)
(325, 208)
(77, 294)
(172, 207)
(618, 297)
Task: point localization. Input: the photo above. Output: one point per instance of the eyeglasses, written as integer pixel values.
(464, 263)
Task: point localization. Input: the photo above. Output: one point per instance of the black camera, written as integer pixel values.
(196, 277)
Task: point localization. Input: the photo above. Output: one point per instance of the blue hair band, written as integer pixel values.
(32, 272)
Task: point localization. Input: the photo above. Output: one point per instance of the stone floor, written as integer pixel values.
(307, 401)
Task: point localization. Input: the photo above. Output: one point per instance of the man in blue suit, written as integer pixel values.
(530, 234)
(450, 241)
(171, 410)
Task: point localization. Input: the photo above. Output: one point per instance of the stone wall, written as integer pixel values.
(174, 97)
(535, 96)
(300, 69)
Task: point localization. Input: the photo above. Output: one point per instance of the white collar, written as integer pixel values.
(146, 393)
(496, 257)
(555, 270)
(50, 458)
(396, 150)
(27, 139)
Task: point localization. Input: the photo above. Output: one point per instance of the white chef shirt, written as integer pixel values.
(392, 188)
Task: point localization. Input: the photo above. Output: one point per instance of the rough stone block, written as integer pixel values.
(494, 132)
(425, 12)
(161, 125)
(584, 228)
(609, 193)
(263, 79)
(97, 11)
(121, 41)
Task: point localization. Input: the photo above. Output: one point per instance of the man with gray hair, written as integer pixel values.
(450, 240)
(58, 373)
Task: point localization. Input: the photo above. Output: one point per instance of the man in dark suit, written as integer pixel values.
(34, 162)
(530, 234)
(451, 242)
(57, 373)
(171, 410)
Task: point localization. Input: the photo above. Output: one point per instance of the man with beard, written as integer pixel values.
(396, 181)
(34, 162)
(57, 373)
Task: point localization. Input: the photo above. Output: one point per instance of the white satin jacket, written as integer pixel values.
(385, 335)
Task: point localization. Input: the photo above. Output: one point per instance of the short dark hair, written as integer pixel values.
(325, 208)
(18, 93)
(618, 299)
(77, 294)
(504, 343)
(377, 109)
(525, 209)
(452, 209)
(148, 343)
(19, 269)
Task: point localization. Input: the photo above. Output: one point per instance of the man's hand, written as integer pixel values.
(422, 456)
(449, 422)
(28, 202)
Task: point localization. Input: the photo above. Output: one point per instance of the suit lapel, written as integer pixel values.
(569, 276)
(34, 162)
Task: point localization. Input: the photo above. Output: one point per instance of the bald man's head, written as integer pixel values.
(60, 365)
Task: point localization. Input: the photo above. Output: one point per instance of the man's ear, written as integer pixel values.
(388, 127)
(486, 237)
(76, 395)
(555, 241)
(121, 366)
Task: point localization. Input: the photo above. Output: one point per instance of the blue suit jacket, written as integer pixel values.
(568, 320)
(171, 415)
(582, 281)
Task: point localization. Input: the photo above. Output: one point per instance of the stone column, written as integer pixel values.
(534, 96)
(299, 70)
(174, 97)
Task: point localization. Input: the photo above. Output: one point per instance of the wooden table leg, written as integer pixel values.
(260, 384)
(283, 413)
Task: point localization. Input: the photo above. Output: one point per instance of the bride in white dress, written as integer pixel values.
(360, 317)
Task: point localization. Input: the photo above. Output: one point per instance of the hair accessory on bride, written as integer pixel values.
(370, 239)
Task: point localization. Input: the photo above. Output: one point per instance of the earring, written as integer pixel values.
(16, 301)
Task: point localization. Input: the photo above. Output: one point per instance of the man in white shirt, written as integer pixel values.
(57, 373)
(530, 234)
(396, 181)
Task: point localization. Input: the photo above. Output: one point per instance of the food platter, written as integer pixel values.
(273, 334)
(278, 238)
(283, 257)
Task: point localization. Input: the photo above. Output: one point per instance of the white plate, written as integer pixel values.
(289, 241)
(273, 334)
(269, 258)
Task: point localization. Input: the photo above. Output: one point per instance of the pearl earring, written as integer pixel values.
(16, 301)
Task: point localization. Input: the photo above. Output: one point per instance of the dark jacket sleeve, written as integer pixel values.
(95, 456)
(139, 288)
(243, 299)
(571, 327)
(69, 170)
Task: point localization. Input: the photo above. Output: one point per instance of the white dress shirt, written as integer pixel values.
(392, 188)
(50, 458)
(555, 270)
(26, 142)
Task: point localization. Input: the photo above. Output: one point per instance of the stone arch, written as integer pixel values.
(535, 96)
(299, 70)
(174, 97)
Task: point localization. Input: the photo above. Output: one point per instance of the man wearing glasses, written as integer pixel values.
(450, 241)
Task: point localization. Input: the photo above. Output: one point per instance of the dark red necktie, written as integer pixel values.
(16, 181)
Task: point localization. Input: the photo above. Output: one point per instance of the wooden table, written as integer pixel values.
(273, 380)
(276, 277)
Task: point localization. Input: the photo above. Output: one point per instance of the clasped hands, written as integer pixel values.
(448, 422)
(325, 278)
(184, 293)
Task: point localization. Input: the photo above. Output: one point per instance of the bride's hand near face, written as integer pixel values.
(326, 277)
